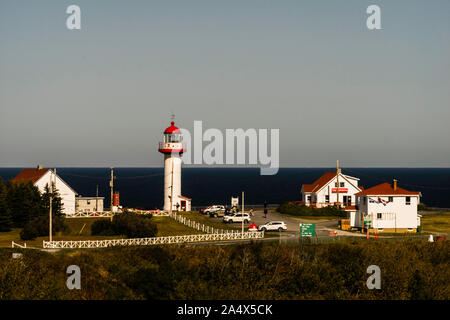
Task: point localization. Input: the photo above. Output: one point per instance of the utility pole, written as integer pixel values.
(96, 200)
(242, 213)
(171, 189)
(50, 211)
(111, 184)
(338, 172)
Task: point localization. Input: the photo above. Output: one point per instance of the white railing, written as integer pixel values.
(201, 227)
(103, 214)
(152, 241)
(14, 245)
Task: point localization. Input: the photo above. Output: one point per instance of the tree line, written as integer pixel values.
(22, 205)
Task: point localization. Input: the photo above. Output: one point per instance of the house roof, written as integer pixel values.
(30, 175)
(319, 183)
(324, 180)
(34, 175)
(386, 189)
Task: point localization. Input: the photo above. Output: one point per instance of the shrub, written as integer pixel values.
(102, 227)
(302, 210)
(129, 224)
(134, 226)
(39, 227)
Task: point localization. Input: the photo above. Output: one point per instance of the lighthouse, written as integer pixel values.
(172, 148)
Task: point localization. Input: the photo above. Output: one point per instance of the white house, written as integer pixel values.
(42, 177)
(89, 204)
(324, 191)
(387, 208)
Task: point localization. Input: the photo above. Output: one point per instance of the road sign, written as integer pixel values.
(307, 229)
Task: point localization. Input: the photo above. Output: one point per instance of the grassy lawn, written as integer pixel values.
(80, 229)
(439, 223)
(169, 227)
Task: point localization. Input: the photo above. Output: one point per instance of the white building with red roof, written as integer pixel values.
(324, 191)
(42, 177)
(387, 208)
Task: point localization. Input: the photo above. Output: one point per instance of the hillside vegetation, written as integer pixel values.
(410, 269)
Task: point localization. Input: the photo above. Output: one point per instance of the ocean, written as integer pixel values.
(143, 187)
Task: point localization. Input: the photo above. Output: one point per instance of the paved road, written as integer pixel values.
(323, 228)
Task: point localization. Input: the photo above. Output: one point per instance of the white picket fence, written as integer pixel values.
(199, 226)
(103, 214)
(211, 234)
(152, 241)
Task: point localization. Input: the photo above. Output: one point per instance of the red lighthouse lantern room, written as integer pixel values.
(173, 140)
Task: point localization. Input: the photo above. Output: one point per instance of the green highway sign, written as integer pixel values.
(307, 229)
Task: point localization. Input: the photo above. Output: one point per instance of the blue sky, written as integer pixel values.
(102, 95)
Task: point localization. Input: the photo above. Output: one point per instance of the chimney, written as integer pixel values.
(395, 184)
(39, 167)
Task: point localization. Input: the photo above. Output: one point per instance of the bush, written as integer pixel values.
(102, 227)
(129, 224)
(302, 210)
(39, 227)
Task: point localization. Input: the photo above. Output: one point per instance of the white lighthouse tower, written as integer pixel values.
(172, 148)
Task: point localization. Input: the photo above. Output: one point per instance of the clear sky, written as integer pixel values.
(102, 95)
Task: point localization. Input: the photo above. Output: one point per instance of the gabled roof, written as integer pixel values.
(32, 175)
(319, 183)
(386, 189)
(324, 180)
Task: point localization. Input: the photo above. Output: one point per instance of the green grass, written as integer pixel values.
(166, 227)
(169, 227)
(439, 222)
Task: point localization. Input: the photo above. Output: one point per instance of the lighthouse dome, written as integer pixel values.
(172, 129)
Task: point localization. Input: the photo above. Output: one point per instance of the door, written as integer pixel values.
(183, 205)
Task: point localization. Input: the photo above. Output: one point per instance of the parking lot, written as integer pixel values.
(323, 228)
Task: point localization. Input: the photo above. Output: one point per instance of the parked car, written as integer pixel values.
(217, 213)
(237, 217)
(213, 208)
(273, 226)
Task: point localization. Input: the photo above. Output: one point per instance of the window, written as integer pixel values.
(379, 216)
(342, 184)
(88, 201)
(408, 201)
(327, 199)
(391, 199)
(335, 184)
(308, 198)
(410, 229)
